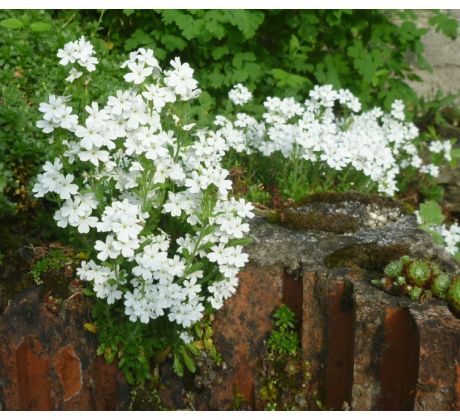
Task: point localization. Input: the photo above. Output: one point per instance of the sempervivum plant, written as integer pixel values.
(453, 296)
(419, 280)
(145, 186)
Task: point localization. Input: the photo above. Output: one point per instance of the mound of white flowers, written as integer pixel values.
(328, 128)
(148, 191)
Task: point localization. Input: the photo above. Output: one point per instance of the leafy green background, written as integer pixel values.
(273, 52)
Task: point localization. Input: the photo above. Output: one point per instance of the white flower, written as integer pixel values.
(240, 94)
(74, 74)
(138, 73)
(80, 52)
(181, 80)
(106, 249)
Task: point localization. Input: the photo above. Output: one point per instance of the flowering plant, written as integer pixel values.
(146, 188)
(430, 218)
(327, 143)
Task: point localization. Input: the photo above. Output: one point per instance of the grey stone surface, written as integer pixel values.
(444, 56)
(295, 249)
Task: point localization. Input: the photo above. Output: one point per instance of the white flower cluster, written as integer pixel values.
(375, 143)
(451, 236)
(79, 52)
(56, 113)
(441, 147)
(240, 94)
(151, 190)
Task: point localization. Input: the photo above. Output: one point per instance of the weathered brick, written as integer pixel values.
(68, 368)
(240, 330)
(48, 361)
(33, 381)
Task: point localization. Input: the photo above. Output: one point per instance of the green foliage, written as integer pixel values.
(431, 216)
(284, 376)
(138, 348)
(284, 339)
(55, 260)
(29, 70)
(431, 220)
(364, 50)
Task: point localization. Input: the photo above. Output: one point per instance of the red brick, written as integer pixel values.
(33, 382)
(68, 368)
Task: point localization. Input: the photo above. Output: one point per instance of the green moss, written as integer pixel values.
(341, 198)
(368, 256)
(284, 378)
(146, 397)
(312, 220)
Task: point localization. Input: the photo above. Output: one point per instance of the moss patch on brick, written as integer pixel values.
(368, 256)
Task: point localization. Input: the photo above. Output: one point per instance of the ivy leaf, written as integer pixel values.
(11, 23)
(431, 213)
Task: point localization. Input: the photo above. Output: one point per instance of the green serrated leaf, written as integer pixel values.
(172, 42)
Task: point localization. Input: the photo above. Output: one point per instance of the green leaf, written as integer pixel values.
(247, 21)
(284, 78)
(40, 26)
(431, 213)
(192, 349)
(172, 42)
(11, 23)
(219, 52)
(137, 39)
(445, 23)
(294, 44)
(177, 366)
(187, 360)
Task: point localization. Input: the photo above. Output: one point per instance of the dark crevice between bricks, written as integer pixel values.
(340, 345)
(293, 296)
(400, 360)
